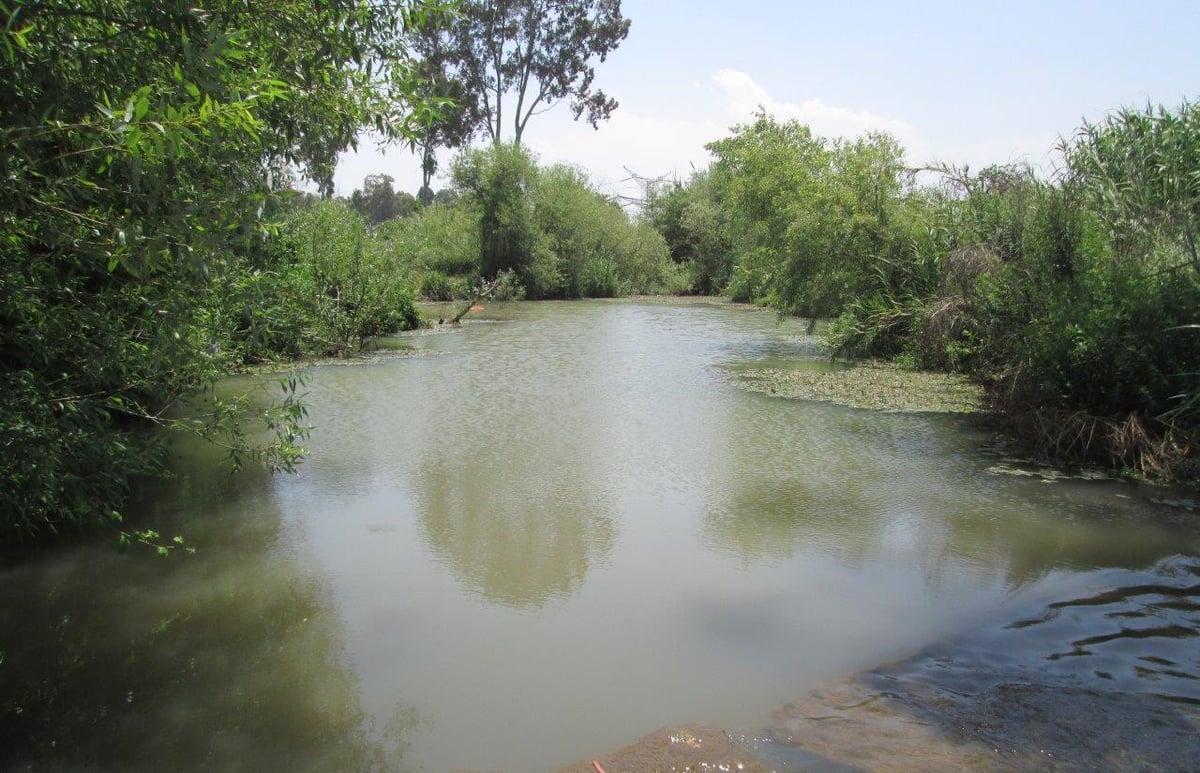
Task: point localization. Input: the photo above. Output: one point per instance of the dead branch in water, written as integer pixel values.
(485, 289)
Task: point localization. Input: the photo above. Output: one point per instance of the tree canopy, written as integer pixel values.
(806, 212)
(144, 143)
(538, 51)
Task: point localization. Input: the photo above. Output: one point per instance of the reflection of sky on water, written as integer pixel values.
(572, 520)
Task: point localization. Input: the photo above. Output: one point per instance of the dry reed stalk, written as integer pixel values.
(964, 266)
(1062, 436)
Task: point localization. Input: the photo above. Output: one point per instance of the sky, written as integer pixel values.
(961, 82)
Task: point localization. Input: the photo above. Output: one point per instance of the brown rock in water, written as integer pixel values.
(679, 749)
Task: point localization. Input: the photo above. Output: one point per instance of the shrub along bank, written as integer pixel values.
(145, 149)
(1073, 300)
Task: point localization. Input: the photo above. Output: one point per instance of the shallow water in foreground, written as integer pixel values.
(539, 537)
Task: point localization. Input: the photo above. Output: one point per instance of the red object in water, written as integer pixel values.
(597, 766)
(477, 307)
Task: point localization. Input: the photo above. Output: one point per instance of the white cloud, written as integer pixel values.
(630, 141)
(744, 97)
(653, 144)
(647, 142)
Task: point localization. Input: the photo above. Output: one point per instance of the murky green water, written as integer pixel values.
(538, 538)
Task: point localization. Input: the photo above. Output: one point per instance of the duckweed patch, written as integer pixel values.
(872, 385)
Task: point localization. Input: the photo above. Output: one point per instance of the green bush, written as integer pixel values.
(438, 238)
(350, 287)
(496, 180)
(508, 287)
(1109, 343)
(806, 216)
(599, 279)
(436, 286)
(693, 221)
(260, 315)
(559, 237)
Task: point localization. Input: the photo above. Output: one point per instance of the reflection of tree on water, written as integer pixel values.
(228, 659)
(517, 507)
(868, 485)
(806, 477)
(519, 532)
(770, 519)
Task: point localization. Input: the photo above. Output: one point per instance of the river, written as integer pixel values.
(540, 536)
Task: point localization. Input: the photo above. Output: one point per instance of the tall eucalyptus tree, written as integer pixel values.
(529, 55)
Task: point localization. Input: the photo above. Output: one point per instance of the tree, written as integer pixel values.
(406, 204)
(595, 249)
(808, 218)
(456, 124)
(350, 287)
(539, 51)
(691, 219)
(554, 233)
(497, 180)
(144, 146)
(377, 200)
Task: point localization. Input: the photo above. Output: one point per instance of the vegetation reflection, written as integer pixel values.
(515, 505)
(231, 655)
(840, 503)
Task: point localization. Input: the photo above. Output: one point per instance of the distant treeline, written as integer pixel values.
(546, 228)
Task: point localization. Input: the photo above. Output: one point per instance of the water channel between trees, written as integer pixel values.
(541, 536)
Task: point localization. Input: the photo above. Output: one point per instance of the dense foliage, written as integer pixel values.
(350, 287)
(1073, 300)
(543, 228)
(805, 213)
(693, 221)
(144, 143)
(149, 240)
(559, 237)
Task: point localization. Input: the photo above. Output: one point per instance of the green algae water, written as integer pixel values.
(543, 535)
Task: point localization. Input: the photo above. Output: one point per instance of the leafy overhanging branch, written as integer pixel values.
(146, 147)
